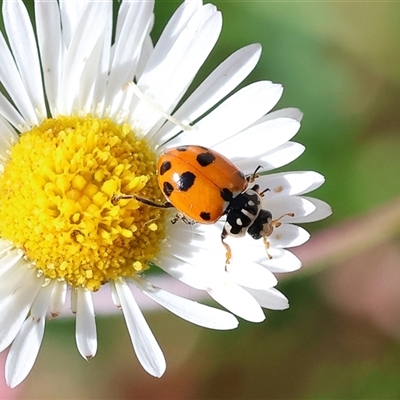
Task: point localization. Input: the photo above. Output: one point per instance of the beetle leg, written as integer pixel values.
(263, 192)
(256, 188)
(276, 222)
(252, 177)
(273, 224)
(224, 234)
(143, 200)
(266, 244)
(183, 218)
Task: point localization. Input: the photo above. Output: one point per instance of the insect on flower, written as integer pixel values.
(203, 186)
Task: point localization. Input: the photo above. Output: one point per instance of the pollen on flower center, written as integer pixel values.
(55, 200)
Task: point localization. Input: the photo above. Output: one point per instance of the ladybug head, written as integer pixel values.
(262, 225)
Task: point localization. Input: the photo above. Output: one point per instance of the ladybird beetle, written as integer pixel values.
(199, 182)
(203, 185)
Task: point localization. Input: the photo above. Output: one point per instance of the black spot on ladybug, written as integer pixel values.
(165, 166)
(226, 194)
(205, 159)
(205, 216)
(182, 148)
(186, 181)
(167, 189)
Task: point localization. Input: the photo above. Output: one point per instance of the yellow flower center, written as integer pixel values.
(56, 200)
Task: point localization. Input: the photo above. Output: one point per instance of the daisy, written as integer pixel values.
(86, 112)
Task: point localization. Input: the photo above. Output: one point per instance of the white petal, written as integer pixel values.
(12, 82)
(167, 83)
(191, 311)
(176, 24)
(279, 206)
(183, 271)
(249, 274)
(145, 54)
(24, 351)
(196, 230)
(14, 278)
(146, 347)
(202, 267)
(91, 25)
(85, 329)
(269, 135)
(100, 83)
(25, 348)
(282, 261)
(9, 112)
(290, 183)
(128, 44)
(198, 253)
(95, 75)
(232, 116)
(5, 246)
(23, 45)
(70, 14)
(8, 136)
(14, 309)
(120, 107)
(290, 112)
(9, 260)
(288, 235)
(214, 88)
(74, 301)
(89, 77)
(174, 28)
(317, 183)
(237, 300)
(276, 158)
(271, 298)
(57, 298)
(114, 296)
(323, 210)
(48, 27)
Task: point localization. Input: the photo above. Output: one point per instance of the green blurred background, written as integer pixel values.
(340, 64)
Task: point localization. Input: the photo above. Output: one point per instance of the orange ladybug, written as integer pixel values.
(199, 182)
(203, 185)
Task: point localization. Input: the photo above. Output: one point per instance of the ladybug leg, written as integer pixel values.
(183, 218)
(151, 203)
(263, 192)
(224, 234)
(276, 223)
(251, 178)
(266, 244)
(187, 220)
(143, 200)
(256, 188)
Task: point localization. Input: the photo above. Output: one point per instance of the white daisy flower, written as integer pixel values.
(86, 112)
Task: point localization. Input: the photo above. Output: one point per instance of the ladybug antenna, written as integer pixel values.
(139, 94)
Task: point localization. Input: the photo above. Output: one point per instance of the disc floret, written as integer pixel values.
(56, 200)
